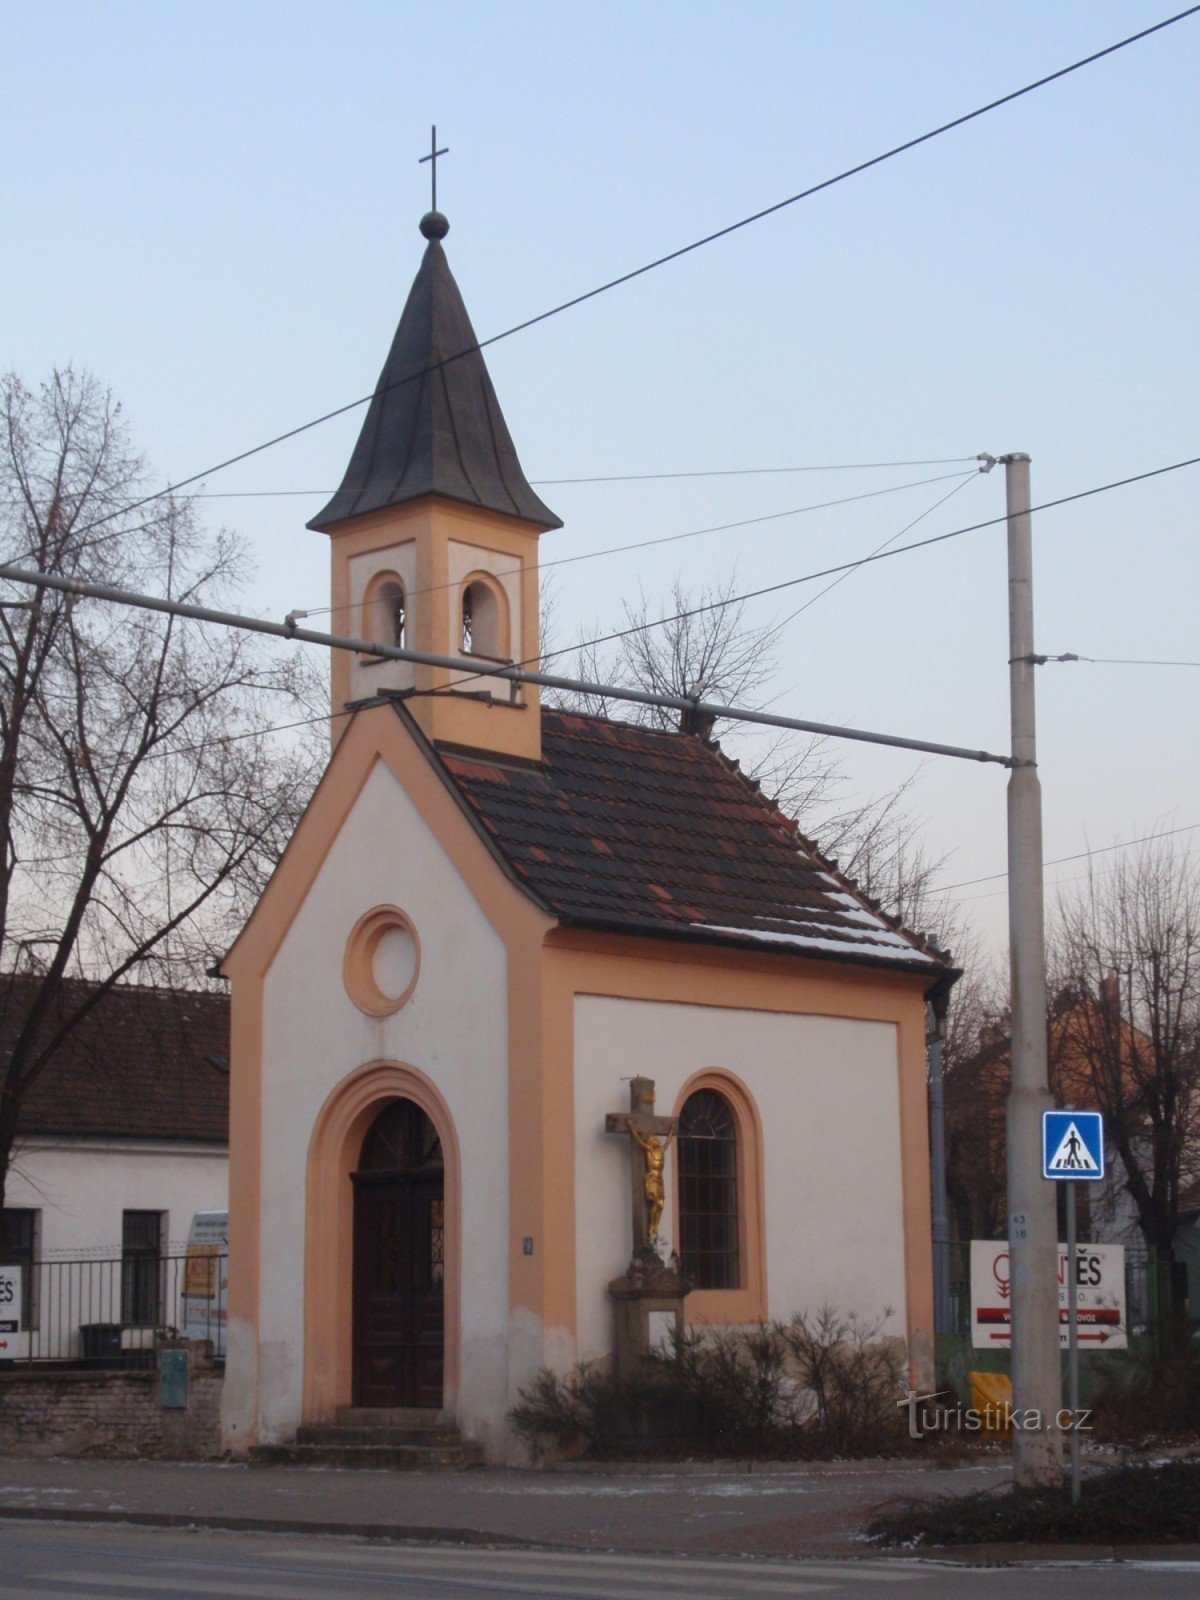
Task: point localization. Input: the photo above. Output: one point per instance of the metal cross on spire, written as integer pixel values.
(432, 158)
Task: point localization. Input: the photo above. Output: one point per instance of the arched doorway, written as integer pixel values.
(399, 1261)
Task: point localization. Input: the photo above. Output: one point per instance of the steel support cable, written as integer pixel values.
(883, 555)
(507, 672)
(517, 671)
(627, 477)
(673, 538)
(1082, 855)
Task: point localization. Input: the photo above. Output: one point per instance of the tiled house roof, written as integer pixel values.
(145, 1063)
(647, 832)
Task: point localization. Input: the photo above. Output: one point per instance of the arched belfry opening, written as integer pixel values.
(385, 614)
(484, 621)
(399, 1261)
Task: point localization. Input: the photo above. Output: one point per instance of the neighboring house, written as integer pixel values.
(122, 1139)
(489, 919)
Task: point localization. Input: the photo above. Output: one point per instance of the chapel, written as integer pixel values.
(492, 919)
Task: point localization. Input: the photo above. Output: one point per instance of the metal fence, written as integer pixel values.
(115, 1313)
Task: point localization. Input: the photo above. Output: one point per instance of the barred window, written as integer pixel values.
(708, 1192)
(141, 1268)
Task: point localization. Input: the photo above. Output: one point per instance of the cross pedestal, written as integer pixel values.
(649, 1295)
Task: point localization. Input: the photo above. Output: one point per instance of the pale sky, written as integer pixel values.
(213, 207)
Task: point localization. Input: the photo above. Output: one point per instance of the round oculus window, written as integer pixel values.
(383, 959)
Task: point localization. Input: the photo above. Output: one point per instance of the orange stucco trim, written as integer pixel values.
(748, 1302)
(333, 1154)
(358, 963)
(535, 1198)
(434, 609)
(581, 962)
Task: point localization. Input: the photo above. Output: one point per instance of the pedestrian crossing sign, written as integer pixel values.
(1073, 1145)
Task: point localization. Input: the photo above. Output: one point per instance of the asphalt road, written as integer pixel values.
(118, 1563)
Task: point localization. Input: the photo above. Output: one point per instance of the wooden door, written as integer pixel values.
(399, 1280)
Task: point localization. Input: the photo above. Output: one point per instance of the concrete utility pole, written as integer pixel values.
(1032, 1214)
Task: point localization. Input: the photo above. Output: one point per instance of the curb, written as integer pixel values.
(977, 1555)
(850, 1467)
(393, 1532)
(1021, 1555)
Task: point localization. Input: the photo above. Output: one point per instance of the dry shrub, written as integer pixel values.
(1144, 1398)
(817, 1386)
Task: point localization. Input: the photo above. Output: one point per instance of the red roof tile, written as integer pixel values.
(146, 1063)
(642, 831)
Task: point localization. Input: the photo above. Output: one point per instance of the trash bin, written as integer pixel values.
(101, 1341)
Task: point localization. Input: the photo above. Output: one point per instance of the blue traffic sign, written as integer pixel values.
(1073, 1145)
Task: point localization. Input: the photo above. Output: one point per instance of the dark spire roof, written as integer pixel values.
(435, 429)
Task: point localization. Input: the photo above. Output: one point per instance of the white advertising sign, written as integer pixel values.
(1100, 1288)
(10, 1307)
(205, 1279)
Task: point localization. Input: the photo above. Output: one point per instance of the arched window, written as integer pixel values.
(708, 1192)
(484, 630)
(385, 619)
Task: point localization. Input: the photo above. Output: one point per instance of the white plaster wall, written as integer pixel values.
(827, 1093)
(402, 560)
(80, 1187)
(454, 1029)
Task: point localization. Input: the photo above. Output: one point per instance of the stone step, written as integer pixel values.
(333, 1433)
(392, 1417)
(374, 1457)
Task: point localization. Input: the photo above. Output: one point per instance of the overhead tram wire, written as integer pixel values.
(882, 555)
(674, 538)
(878, 550)
(1082, 855)
(1063, 883)
(776, 629)
(662, 261)
(1125, 661)
(626, 477)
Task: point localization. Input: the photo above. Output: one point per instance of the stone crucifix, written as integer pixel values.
(650, 1137)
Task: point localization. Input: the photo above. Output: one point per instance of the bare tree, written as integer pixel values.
(977, 1052)
(1126, 1030)
(700, 647)
(141, 804)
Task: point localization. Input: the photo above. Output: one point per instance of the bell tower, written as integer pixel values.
(434, 531)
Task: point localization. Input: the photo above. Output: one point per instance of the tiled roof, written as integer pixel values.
(640, 831)
(146, 1063)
